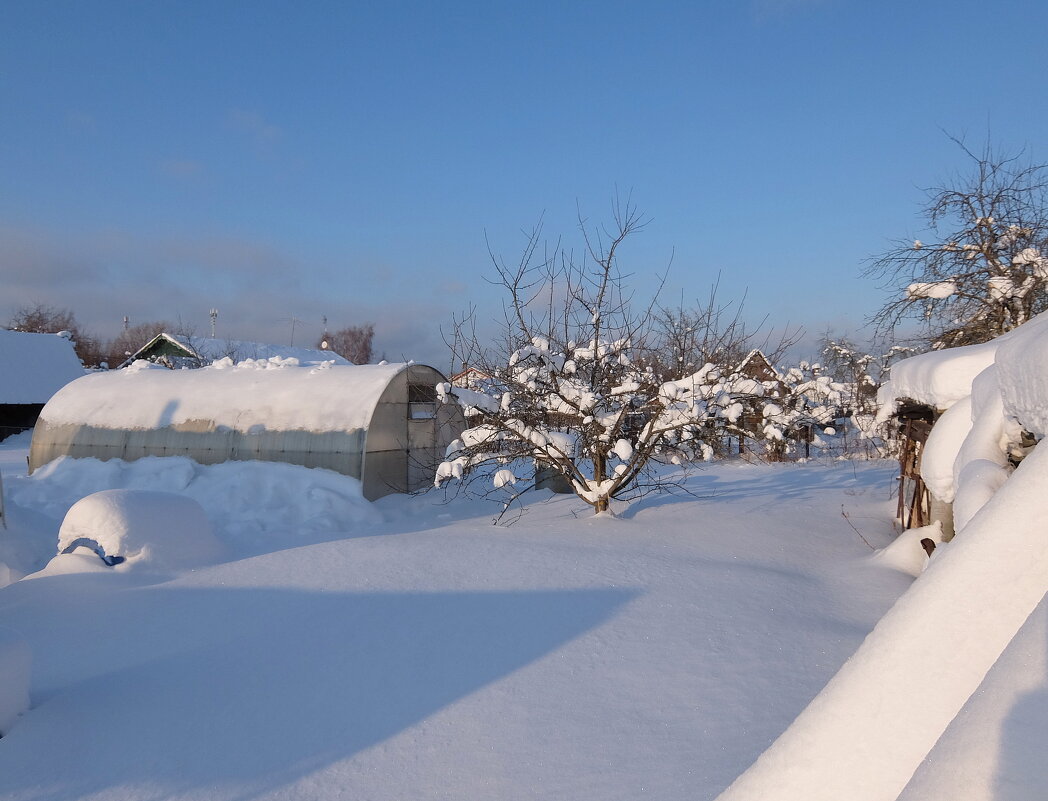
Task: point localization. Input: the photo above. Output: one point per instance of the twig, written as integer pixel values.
(845, 516)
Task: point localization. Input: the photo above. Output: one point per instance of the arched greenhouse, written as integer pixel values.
(379, 423)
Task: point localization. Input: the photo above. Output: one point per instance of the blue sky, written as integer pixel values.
(279, 160)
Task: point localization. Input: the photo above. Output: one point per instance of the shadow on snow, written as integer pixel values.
(176, 689)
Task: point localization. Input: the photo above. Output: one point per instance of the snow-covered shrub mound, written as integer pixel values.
(249, 503)
(15, 660)
(159, 529)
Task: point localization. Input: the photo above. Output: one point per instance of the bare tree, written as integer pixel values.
(353, 343)
(980, 270)
(41, 318)
(570, 390)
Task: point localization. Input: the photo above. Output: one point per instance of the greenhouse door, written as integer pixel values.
(422, 435)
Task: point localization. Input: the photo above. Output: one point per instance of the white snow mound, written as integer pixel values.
(160, 529)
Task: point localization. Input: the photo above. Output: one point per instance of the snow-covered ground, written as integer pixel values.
(410, 649)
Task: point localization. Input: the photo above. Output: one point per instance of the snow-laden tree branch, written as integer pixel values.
(982, 268)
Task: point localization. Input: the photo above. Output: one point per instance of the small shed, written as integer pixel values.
(177, 351)
(33, 367)
(379, 423)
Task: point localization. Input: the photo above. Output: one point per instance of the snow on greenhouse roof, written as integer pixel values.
(274, 395)
(33, 367)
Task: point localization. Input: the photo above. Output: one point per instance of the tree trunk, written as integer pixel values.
(600, 473)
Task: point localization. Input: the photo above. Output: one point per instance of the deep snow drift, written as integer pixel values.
(866, 734)
(410, 649)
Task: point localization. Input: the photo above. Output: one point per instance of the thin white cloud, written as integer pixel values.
(183, 169)
(253, 126)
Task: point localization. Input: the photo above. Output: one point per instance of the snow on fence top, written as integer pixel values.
(33, 367)
(942, 378)
(938, 379)
(252, 396)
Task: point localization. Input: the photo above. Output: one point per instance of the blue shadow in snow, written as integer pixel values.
(1022, 772)
(184, 689)
(796, 482)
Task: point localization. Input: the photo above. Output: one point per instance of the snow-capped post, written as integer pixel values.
(574, 389)
(982, 269)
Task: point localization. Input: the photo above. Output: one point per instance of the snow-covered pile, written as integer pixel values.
(15, 662)
(274, 395)
(253, 506)
(161, 530)
(33, 367)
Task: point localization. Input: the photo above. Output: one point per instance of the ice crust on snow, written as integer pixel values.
(161, 530)
(275, 394)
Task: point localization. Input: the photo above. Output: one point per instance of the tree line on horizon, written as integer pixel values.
(354, 342)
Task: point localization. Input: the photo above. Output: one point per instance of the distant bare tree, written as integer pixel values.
(353, 343)
(42, 318)
(712, 331)
(984, 267)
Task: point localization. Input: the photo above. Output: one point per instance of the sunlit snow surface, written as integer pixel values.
(410, 649)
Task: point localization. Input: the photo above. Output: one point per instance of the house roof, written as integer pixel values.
(757, 363)
(33, 367)
(210, 350)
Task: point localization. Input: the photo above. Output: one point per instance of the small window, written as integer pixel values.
(422, 402)
(422, 393)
